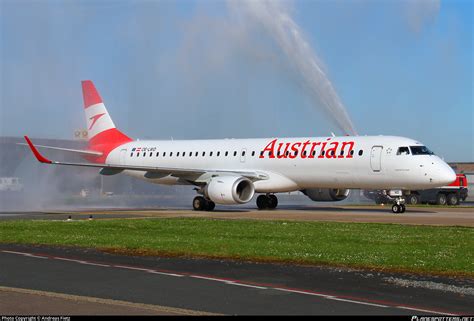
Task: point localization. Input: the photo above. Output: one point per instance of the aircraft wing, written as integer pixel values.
(151, 172)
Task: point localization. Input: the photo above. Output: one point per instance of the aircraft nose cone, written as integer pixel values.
(446, 174)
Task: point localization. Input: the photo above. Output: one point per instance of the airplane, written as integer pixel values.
(232, 171)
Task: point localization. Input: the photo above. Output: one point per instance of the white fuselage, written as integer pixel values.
(291, 164)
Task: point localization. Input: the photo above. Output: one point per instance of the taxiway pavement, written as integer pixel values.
(200, 286)
(441, 216)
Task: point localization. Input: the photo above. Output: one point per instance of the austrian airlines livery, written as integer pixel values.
(231, 171)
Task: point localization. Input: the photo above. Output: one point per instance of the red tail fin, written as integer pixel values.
(102, 133)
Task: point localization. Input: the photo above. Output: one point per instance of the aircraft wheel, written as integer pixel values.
(262, 202)
(402, 208)
(199, 203)
(396, 208)
(210, 205)
(272, 201)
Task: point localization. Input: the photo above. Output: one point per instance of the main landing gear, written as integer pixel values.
(267, 202)
(202, 204)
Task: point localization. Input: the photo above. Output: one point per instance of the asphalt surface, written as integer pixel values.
(227, 287)
(437, 216)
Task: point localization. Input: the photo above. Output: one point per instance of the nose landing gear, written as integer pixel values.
(396, 198)
(396, 208)
(398, 205)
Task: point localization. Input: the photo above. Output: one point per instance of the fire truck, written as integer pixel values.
(452, 194)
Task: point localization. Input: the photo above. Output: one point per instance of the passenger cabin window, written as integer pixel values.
(253, 153)
(218, 153)
(210, 154)
(235, 153)
(226, 153)
(171, 154)
(361, 152)
(420, 150)
(403, 151)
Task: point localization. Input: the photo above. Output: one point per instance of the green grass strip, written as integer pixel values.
(441, 250)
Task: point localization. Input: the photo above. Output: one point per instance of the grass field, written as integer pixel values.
(439, 250)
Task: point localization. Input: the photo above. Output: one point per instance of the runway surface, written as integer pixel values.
(442, 216)
(192, 286)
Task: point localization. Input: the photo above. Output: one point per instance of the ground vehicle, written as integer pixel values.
(452, 194)
(446, 195)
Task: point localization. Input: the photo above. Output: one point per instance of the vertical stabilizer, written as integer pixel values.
(102, 134)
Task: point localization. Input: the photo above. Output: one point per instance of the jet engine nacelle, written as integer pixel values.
(326, 194)
(230, 190)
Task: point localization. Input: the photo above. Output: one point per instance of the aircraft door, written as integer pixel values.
(123, 156)
(376, 158)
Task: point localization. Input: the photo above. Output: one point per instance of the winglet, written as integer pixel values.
(38, 156)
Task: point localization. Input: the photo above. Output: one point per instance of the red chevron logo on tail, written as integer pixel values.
(94, 119)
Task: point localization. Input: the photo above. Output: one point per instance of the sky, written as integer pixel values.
(242, 68)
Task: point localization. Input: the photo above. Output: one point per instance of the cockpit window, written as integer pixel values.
(420, 150)
(403, 151)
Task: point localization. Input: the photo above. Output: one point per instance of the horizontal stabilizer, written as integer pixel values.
(78, 151)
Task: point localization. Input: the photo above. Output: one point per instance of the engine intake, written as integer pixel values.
(230, 190)
(326, 194)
